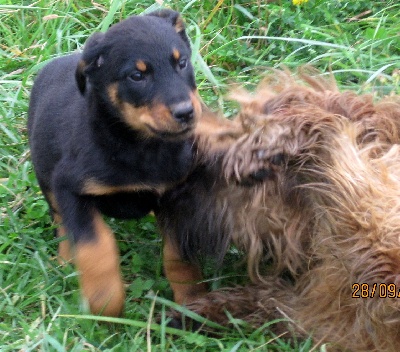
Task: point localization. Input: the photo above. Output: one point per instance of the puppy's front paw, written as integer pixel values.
(251, 160)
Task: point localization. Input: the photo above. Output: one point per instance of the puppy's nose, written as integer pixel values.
(183, 112)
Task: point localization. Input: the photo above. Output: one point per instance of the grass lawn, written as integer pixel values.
(233, 41)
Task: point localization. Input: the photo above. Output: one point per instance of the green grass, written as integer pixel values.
(233, 41)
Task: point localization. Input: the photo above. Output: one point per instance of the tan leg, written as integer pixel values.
(64, 248)
(215, 134)
(98, 264)
(185, 278)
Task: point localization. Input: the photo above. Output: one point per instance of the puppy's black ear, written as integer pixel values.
(91, 60)
(175, 19)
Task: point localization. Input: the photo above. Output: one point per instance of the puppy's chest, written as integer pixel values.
(167, 160)
(148, 167)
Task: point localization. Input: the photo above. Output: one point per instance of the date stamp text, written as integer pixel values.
(375, 290)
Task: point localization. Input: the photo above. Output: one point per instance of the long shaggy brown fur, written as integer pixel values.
(328, 214)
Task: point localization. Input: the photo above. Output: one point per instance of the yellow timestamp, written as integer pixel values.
(375, 290)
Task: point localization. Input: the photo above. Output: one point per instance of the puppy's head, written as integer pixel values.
(140, 70)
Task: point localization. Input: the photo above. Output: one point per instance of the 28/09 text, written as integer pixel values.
(363, 290)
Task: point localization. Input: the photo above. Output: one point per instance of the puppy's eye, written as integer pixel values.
(182, 63)
(137, 76)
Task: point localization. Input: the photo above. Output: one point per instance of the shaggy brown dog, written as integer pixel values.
(327, 217)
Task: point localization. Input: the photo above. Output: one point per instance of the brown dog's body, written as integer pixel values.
(327, 217)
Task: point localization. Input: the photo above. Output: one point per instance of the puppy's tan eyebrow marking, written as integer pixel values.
(141, 66)
(176, 54)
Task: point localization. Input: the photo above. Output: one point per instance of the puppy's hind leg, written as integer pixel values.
(64, 248)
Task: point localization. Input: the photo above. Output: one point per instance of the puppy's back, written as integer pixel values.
(54, 110)
(55, 80)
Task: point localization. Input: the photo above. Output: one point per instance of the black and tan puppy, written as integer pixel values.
(110, 131)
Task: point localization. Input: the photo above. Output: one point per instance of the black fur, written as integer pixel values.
(194, 214)
(77, 133)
